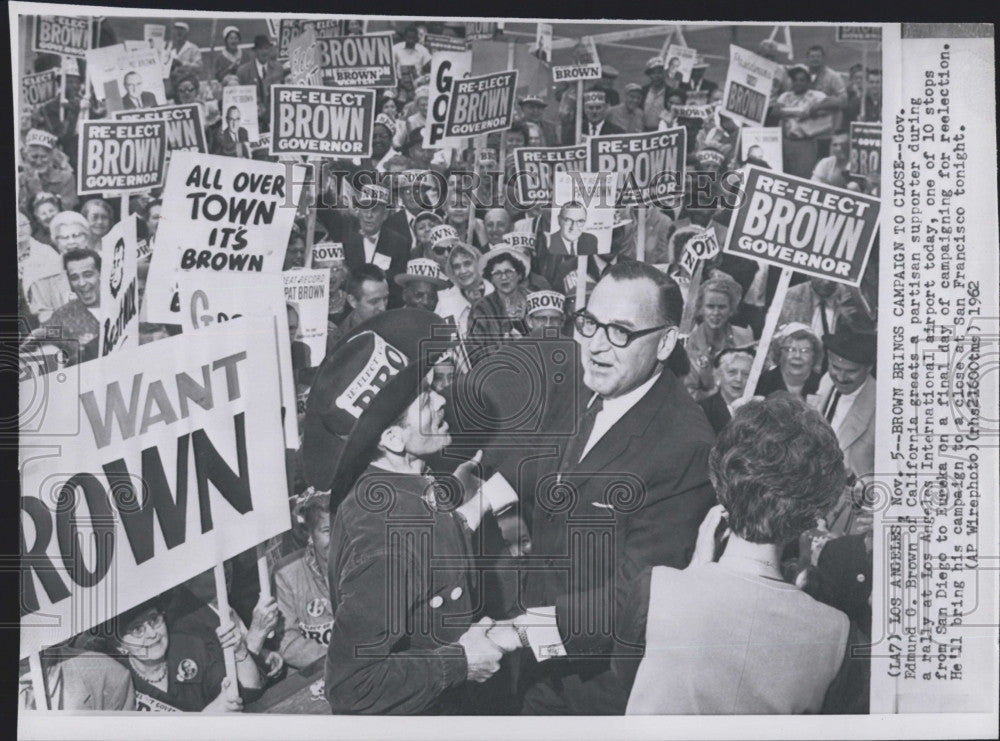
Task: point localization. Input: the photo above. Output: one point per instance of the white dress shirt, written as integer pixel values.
(844, 405)
(370, 244)
(614, 409)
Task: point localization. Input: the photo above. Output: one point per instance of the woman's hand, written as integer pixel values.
(224, 703)
(704, 547)
(230, 636)
(265, 620)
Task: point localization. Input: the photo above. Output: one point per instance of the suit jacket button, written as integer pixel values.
(456, 593)
(436, 601)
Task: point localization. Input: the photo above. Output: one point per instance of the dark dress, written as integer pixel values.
(771, 381)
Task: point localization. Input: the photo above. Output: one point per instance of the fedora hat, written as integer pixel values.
(850, 344)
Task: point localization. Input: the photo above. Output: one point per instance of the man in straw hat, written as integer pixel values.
(532, 107)
(420, 283)
(405, 637)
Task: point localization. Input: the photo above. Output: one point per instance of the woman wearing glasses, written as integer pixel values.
(180, 672)
(797, 354)
(717, 301)
(500, 316)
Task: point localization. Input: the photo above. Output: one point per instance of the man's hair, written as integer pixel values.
(776, 467)
(856, 68)
(232, 108)
(568, 205)
(492, 263)
(816, 47)
(80, 254)
(359, 275)
(129, 74)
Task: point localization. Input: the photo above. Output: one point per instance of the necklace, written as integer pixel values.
(154, 677)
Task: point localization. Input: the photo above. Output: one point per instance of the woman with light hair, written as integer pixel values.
(70, 230)
(717, 301)
(101, 218)
(797, 356)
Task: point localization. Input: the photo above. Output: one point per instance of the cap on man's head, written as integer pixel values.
(595, 96)
(40, 138)
(421, 91)
(442, 233)
(422, 269)
(533, 99)
(383, 119)
(608, 71)
(654, 63)
(262, 41)
(544, 301)
(373, 195)
(633, 87)
(797, 68)
(524, 241)
(850, 344)
(182, 24)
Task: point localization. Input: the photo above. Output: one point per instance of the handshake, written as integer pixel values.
(487, 641)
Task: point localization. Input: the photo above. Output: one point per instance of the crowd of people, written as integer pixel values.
(731, 545)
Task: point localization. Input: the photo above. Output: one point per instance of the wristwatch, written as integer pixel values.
(522, 633)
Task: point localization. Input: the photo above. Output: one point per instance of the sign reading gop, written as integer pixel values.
(804, 226)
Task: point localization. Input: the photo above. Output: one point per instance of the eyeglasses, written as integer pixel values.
(186, 89)
(573, 222)
(503, 274)
(155, 622)
(442, 249)
(797, 350)
(617, 335)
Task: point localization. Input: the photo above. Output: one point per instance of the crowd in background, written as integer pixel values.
(497, 280)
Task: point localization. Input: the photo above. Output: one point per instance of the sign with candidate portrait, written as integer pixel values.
(126, 77)
(244, 99)
(583, 212)
(803, 225)
(119, 288)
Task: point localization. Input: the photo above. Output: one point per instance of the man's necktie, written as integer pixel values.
(831, 405)
(576, 445)
(822, 316)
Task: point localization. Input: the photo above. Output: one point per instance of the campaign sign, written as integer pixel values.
(357, 61)
(762, 144)
(121, 156)
(802, 225)
(40, 88)
(864, 34)
(866, 151)
(126, 76)
(119, 292)
(185, 130)
(680, 60)
(162, 462)
(748, 86)
(650, 166)
(480, 31)
(703, 246)
(586, 63)
(480, 105)
(306, 294)
(595, 191)
(446, 67)
(321, 121)
(244, 99)
(304, 59)
(439, 42)
(220, 215)
(537, 167)
(59, 34)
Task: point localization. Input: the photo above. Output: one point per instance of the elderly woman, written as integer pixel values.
(71, 231)
(497, 317)
(42, 208)
(176, 671)
(729, 635)
(467, 284)
(301, 588)
(100, 217)
(717, 301)
(797, 355)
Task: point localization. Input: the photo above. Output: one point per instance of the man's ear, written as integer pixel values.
(667, 343)
(351, 301)
(392, 439)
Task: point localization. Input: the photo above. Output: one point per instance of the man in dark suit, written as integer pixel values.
(262, 71)
(628, 491)
(731, 371)
(571, 240)
(233, 140)
(135, 97)
(595, 111)
(376, 245)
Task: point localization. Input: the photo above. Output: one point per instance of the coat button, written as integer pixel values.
(436, 601)
(456, 593)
